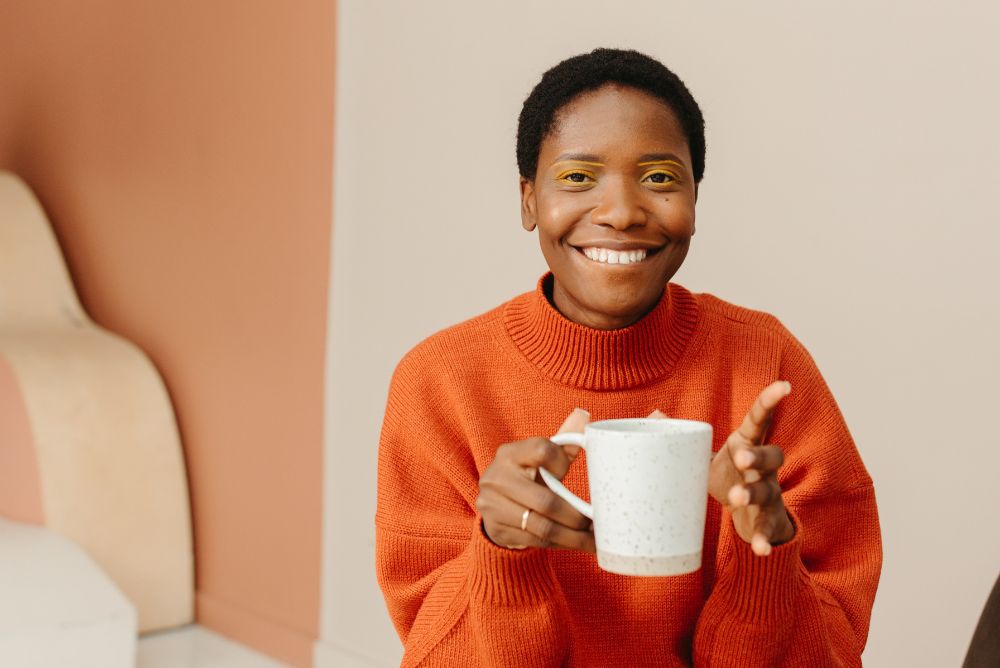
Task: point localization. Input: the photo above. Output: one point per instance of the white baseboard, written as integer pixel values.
(330, 655)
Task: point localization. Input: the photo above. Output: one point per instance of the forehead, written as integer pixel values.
(615, 119)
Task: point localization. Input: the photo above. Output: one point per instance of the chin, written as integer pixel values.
(618, 298)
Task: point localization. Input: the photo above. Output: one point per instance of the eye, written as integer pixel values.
(576, 177)
(659, 177)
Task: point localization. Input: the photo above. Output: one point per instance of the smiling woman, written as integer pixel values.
(630, 191)
(480, 563)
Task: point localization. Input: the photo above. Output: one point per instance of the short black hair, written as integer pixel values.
(589, 71)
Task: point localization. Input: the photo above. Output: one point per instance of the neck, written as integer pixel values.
(573, 310)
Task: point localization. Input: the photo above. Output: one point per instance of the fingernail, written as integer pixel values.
(788, 388)
(761, 546)
(738, 496)
(744, 459)
(580, 411)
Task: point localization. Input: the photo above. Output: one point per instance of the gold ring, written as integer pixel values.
(524, 519)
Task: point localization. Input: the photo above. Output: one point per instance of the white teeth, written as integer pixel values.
(614, 257)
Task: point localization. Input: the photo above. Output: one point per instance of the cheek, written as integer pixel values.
(678, 218)
(555, 212)
(560, 214)
(685, 226)
(554, 222)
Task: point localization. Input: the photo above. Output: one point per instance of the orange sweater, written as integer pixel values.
(457, 599)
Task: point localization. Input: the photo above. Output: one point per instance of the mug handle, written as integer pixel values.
(567, 438)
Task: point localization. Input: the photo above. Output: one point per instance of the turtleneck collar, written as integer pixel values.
(598, 359)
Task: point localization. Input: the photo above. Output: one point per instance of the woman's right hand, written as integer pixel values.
(510, 486)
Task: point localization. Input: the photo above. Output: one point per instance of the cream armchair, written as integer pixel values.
(89, 451)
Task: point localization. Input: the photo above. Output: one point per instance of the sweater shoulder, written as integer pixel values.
(731, 316)
(755, 333)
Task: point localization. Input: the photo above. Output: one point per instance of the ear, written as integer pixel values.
(528, 211)
(694, 227)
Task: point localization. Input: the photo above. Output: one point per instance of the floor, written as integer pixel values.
(197, 647)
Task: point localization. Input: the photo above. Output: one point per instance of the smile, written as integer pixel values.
(607, 256)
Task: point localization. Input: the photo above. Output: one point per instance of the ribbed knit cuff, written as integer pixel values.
(764, 587)
(509, 577)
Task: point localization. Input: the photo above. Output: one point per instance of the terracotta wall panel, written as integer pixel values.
(183, 152)
(20, 493)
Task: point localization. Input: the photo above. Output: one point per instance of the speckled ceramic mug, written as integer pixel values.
(648, 492)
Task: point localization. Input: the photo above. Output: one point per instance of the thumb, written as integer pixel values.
(576, 421)
(657, 415)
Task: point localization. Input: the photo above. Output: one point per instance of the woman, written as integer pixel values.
(480, 563)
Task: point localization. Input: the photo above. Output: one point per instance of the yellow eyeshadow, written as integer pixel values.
(563, 174)
(660, 171)
(567, 167)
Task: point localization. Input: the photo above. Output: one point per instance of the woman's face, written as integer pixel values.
(614, 175)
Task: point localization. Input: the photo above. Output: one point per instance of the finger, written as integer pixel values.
(762, 493)
(516, 539)
(500, 534)
(763, 532)
(764, 459)
(541, 452)
(657, 415)
(512, 538)
(754, 426)
(543, 530)
(553, 534)
(576, 421)
(543, 501)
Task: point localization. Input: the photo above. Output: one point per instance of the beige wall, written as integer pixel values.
(183, 151)
(852, 164)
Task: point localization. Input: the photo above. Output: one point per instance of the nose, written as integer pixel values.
(620, 206)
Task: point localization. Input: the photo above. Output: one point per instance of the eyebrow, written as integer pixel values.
(579, 157)
(647, 159)
(651, 158)
(561, 163)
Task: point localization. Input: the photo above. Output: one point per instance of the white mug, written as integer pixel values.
(648, 490)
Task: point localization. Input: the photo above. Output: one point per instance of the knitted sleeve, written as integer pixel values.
(809, 602)
(455, 598)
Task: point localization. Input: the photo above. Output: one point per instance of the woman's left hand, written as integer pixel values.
(744, 476)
